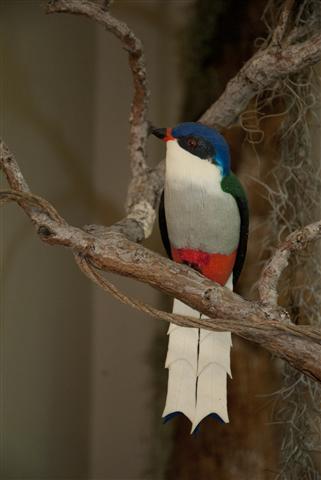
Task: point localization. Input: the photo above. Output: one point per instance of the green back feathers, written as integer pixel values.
(230, 184)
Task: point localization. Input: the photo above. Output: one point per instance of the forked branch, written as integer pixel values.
(106, 249)
(280, 57)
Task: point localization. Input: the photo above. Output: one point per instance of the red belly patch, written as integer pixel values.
(214, 266)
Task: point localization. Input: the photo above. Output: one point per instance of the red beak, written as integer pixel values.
(163, 133)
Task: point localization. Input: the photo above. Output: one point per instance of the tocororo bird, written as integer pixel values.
(203, 219)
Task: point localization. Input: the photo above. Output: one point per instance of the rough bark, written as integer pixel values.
(262, 70)
(105, 249)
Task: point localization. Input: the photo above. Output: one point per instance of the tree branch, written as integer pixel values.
(280, 30)
(279, 58)
(146, 184)
(260, 72)
(106, 249)
(296, 241)
(134, 48)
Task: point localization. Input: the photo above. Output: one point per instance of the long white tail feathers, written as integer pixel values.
(198, 363)
(213, 368)
(181, 362)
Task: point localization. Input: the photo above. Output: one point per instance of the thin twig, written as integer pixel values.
(33, 201)
(146, 184)
(89, 270)
(280, 30)
(296, 241)
(138, 116)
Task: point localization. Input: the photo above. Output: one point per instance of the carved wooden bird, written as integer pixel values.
(204, 220)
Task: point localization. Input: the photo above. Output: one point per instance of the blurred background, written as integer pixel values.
(83, 382)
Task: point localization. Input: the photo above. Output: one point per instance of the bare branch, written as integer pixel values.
(90, 271)
(260, 72)
(138, 115)
(146, 183)
(12, 170)
(296, 241)
(109, 250)
(30, 201)
(280, 30)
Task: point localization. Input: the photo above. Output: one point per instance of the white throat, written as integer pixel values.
(199, 214)
(185, 168)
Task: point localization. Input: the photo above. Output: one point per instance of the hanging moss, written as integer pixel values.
(296, 201)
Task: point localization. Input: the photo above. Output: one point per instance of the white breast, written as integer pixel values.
(199, 214)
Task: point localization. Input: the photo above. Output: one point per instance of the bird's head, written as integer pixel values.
(204, 142)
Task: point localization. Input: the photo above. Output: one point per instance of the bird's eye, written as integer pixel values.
(192, 143)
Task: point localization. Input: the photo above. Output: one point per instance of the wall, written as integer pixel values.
(46, 119)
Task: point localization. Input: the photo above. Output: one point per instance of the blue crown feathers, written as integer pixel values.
(222, 152)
